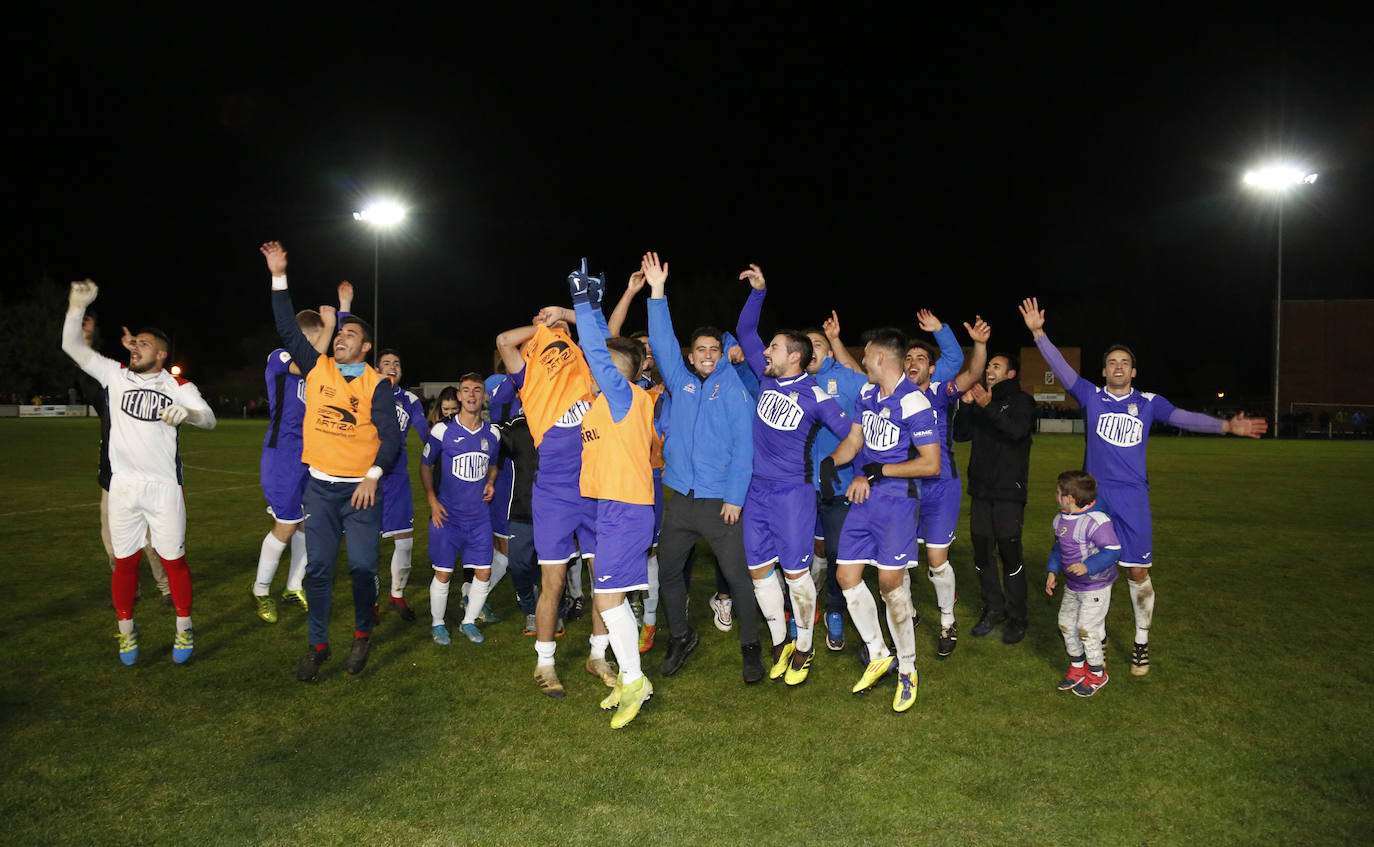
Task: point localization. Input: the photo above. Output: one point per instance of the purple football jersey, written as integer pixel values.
(285, 404)
(894, 426)
(1081, 535)
(463, 457)
(1118, 431)
(787, 416)
(944, 398)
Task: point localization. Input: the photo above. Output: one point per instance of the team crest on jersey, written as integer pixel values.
(884, 413)
(555, 356)
(144, 404)
(832, 387)
(715, 391)
(880, 434)
(778, 411)
(353, 404)
(470, 467)
(485, 448)
(1132, 409)
(1120, 430)
(573, 417)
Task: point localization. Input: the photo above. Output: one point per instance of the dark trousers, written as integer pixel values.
(524, 564)
(330, 518)
(832, 521)
(996, 524)
(685, 519)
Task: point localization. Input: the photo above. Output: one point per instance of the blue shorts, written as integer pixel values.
(779, 521)
(499, 507)
(880, 531)
(622, 561)
(283, 477)
(939, 512)
(564, 522)
(398, 509)
(1129, 507)
(468, 534)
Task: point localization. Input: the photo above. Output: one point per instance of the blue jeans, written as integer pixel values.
(331, 518)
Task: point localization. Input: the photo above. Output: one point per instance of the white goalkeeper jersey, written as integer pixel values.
(141, 446)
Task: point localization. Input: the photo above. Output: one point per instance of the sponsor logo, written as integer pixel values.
(690, 388)
(1120, 430)
(335, 419)
(555, 356)
(779, 411)
(470, 467)
(603, 578)
(326, 391)
(144, 404)
(899, 557)
(590, 435)
(573, 417)
(880, 434)
(402, 417)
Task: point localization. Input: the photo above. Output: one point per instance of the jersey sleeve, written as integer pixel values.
(101, 369)
(663, 343)
(747, 328)
(416, 409)
(1103, 536)
(434, 444)
(951, 355)
(189, 396)
(830, 414)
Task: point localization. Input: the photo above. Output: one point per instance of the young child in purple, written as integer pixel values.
(780, 507)
(1118, 420)
(896, 444)
(1086, 551)
(465, 449)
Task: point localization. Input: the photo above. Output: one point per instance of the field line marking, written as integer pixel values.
(217, 470)
(96, 505)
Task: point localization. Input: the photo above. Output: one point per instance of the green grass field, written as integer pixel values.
(1253, 726)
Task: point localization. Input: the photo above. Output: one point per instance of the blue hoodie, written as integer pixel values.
(709, 450)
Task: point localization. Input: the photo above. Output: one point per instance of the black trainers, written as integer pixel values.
(357, 655)
(678, 650)
(1014, 631)
(753, 662)
(987, 623)
(401, 608)
(1140, 659)
(949, 637)
(310, 663)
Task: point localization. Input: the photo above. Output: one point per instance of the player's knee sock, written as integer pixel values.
(943, 580)
(624, 637)
(400, 565)
(863, 613)
(477, 595)
(124, 587)
(598, 645)
(818, 566)
(651, 596)
(500, 563)
(438, 601)
(898, 603)
(1143, 601)
(544, 650)
(803, 592)
(295, 572)
(769, 594)
(179, 581)
(268, 556)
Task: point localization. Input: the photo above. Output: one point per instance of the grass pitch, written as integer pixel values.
(1254, 724)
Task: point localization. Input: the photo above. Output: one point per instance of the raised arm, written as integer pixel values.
(747, 327)
(831, 328)
(1034, 317)
(979, 332)
(951, 354)
(330, 316)
(622, 308)
(82, 294)
(508, 345)
(662, 340)
(285, 314)
(586, 289)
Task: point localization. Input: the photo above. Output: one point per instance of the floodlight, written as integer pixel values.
(1274, 177)
(382, 214)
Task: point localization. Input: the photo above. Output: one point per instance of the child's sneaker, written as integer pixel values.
(1073, 677)
(1089, 684)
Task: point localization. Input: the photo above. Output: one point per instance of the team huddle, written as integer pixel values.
(795, 463)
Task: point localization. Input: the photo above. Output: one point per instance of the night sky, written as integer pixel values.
(872, 163)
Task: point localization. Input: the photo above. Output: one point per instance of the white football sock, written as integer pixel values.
(598, 643)
(477, 595)
(651, 596)
(769, 595)
(803, 592)
(624, 638)
(1143, 601)
(818, 566)
(863, 613)
(943, 580)
(126, 627)
(500, 563)
(438, 600)
(295, 572)
(400, 565)
(268, 557)
(183, 623)
(898, 603)
(544, 649)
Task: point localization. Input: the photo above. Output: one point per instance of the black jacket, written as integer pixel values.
(517, 444)
(999, 461)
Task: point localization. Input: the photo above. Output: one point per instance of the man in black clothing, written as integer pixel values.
(998, 420)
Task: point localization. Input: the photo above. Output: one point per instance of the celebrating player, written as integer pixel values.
(146, 404)
(1118, 428)
(780, 507)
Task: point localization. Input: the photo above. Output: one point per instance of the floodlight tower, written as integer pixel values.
(380, 215)
(1277, 181)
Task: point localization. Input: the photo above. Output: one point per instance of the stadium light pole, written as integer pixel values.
(1277, 181)
(380, 215)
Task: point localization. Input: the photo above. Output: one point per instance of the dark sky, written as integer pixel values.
(871, 164)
